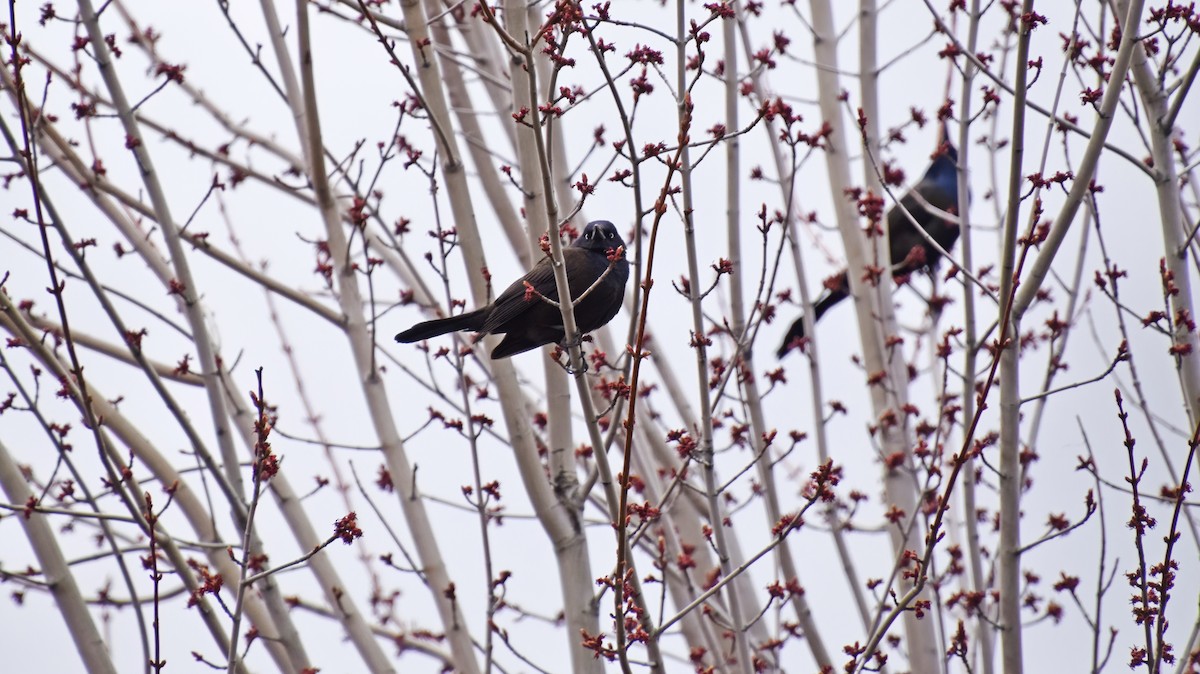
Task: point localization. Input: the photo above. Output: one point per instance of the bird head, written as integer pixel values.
(600, 236)
(943, 172)
(945, 146)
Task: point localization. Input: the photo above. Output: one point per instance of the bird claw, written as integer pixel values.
(570, 370)
(565, 347)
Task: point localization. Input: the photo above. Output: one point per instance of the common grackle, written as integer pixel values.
(526, 320)
(909, 251)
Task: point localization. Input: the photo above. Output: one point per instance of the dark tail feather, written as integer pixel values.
(512, 344)
(440, 326)
(796, 332)
(520, 341)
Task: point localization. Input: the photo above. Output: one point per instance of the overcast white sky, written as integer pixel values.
(356, 88)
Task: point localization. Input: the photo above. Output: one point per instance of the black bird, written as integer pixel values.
(527, 321)
(909, 251)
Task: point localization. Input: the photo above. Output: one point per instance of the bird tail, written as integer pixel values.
(440, 326)
(837, 293)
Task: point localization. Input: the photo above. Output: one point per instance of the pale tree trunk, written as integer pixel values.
(194, 310)
(57, 575)
(564, 522)
(1161, 128)
(876, 320)
(984, 634)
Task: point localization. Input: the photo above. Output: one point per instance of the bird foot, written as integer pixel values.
(567, 366)
(564, 349)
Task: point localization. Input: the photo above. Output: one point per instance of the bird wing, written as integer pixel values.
(938, 196)
(511, 303)
(903, 236)
(900, 226)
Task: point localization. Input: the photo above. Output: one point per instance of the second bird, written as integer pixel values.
(528, 321)
(909, 251)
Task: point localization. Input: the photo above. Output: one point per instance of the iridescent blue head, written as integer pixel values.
(943, 172)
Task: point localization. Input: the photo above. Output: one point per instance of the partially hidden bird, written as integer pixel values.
(908, 250)
(527, 321)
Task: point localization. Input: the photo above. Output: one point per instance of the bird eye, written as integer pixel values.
(609, 235)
